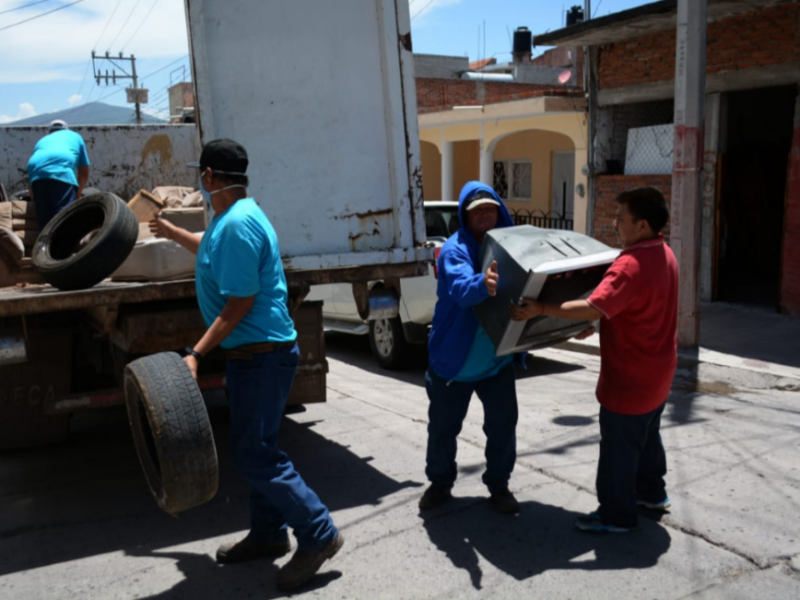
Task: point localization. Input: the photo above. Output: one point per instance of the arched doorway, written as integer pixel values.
(534, 171)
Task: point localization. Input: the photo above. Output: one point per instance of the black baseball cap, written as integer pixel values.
(223, 156)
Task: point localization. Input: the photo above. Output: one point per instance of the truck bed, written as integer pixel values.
(30, 299)
(37, 298)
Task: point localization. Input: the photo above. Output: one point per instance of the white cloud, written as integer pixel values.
(74, 99)
(59, 46)
(26, 110)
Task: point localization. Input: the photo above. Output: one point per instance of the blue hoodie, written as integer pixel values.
(460, 287)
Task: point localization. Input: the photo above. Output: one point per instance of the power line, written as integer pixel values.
(125, 45)
(125, 24)
(102, 33)
(423, 9)
(40, 15)
(185, 56)
(113, 12)
(23, 6)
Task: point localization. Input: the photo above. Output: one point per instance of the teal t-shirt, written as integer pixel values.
(481, 361)
(56, 156)
(239, 256)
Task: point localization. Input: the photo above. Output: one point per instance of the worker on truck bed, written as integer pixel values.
(52, 171)
(462, 358)
(242, 293)
(637, 304)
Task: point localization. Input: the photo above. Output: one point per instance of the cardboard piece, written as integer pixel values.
(145, 205)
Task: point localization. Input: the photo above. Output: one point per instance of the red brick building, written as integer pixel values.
(751, 195)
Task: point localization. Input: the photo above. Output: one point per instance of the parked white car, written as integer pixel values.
(392, 340)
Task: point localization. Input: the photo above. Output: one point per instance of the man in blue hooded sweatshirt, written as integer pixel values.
(462, 358)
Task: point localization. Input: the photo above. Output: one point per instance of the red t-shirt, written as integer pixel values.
(639, 330)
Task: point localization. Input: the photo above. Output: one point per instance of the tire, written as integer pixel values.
(171, 431)
(66, 264)
(388, 343)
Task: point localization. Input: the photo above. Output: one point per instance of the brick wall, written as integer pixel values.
(563, 56)
(769, 36)
(790, 276)
(608, 187)
(443, 94)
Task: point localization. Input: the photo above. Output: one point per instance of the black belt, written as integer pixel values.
(247, 352)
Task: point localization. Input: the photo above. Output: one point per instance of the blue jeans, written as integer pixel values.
(50, 197)
(632, 465)
(257, 391)
(448, 407)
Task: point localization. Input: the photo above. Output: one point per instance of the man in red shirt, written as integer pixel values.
(637, 303)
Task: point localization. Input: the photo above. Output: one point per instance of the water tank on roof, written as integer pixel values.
(523, 39)
(574, 15)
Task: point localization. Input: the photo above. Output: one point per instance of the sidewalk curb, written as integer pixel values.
(716, 366)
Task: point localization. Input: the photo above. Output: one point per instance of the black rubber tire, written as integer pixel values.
(171, 431)
(57, 253)
(388, 343)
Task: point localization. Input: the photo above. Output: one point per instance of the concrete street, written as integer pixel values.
(77, 521)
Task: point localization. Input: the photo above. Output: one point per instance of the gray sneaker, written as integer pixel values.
(304, 564)
(663, 505)
(249, 549)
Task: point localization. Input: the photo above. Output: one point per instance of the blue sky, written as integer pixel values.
(46, 63)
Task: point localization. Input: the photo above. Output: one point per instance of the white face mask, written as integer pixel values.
(207, 195)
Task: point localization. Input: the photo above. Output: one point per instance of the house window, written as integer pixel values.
(512, 180)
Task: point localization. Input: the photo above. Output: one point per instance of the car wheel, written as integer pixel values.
(388, 343)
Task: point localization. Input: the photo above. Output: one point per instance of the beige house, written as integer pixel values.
(532, 151)
(528, 141)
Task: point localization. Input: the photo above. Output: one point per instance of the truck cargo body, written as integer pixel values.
(334, 163)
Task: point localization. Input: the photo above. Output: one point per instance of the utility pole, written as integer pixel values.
(690, 94)
(136, 95)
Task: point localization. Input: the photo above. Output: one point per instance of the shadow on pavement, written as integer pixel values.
(541, 537)
(204, 579)
(354, 350)
(88, 497)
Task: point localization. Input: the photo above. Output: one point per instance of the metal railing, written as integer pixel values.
(539, 218)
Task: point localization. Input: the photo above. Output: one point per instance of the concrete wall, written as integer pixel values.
(124, 159)
(181, 95)
(440, 67)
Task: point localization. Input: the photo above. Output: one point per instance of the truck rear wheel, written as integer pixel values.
(388, 343)
(172, 432)
(68, 259)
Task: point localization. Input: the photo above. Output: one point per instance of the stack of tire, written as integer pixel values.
(86, 242)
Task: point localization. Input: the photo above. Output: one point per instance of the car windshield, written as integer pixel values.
(441, 221)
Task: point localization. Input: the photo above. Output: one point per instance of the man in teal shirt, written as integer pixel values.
(57, 158)
(242, 293)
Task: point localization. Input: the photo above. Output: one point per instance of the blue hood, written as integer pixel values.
(460, 287)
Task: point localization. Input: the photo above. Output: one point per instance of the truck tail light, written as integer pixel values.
(436, 262)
